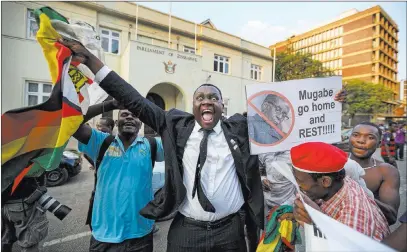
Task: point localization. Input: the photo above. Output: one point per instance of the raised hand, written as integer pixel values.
(300, 214)
(82, 55)
(266, 185)
(341, 96)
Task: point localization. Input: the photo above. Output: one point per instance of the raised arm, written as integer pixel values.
(84, 131)
(118, 88)
(389, 197)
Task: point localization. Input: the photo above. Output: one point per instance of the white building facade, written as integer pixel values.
(165, 67)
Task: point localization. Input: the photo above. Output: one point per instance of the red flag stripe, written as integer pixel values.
(20, 176)
(68, 111)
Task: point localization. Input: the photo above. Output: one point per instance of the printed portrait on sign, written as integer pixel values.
(270, 118)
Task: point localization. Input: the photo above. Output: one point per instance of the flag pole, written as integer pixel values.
(137, 22)
(274, 64)
(195, 38)
(169, 27)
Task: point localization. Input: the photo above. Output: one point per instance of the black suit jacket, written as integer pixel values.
(175, 127)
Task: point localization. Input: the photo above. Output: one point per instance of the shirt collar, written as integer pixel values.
(338, 197)
(217, 128)
(137, 140)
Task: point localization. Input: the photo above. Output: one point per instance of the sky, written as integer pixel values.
(266, 23)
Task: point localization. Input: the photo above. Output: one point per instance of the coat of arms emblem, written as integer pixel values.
(169, 67)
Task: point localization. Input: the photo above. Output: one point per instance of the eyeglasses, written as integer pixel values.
(279, 110)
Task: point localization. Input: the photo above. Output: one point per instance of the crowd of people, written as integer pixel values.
(219, 190)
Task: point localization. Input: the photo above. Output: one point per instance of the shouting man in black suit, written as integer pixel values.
(210, 176)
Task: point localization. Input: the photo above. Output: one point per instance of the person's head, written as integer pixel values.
(364, 140)
(128, 125)
(207, 105)
(392, 126)
(105, 124)
(275, 108)
(318, 169)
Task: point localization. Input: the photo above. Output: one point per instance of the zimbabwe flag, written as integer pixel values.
(33, 138)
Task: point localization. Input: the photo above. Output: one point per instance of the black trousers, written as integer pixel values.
(400, 150)
(142, 244)
(224, 235)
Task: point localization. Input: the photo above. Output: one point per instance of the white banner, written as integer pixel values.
(284, 114)
(87, 36)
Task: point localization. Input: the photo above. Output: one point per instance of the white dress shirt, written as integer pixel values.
(218, 177)
(101, 74)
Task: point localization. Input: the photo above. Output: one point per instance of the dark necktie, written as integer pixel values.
(203, 200)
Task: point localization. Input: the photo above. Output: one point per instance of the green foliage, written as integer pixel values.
(290, 66)
(365, 97)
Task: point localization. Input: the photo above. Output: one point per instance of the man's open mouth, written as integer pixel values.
(207, 115)
(128, 124)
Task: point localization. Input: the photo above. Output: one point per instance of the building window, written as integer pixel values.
(32, 26)
(110, 40)
(188, 49)
(37, 92)
(255, 72)
(221, 64)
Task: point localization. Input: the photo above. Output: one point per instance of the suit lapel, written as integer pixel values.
(183, 134)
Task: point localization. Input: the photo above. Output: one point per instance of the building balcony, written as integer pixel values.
(395, 36)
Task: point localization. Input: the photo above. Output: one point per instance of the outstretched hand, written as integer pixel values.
(82, 55)
(341, 96)
(79, 52)
(266, 185)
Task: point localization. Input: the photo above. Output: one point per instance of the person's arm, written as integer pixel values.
(263, 173)
(92, 147)
(397, 239)
(84, 131)
(389, 197)
(100, 108)
(119, 89)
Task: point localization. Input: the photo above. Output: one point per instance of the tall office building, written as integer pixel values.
(358, 45)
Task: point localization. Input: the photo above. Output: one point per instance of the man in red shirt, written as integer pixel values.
(320, 174)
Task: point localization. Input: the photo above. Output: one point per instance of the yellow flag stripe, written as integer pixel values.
(47, 36)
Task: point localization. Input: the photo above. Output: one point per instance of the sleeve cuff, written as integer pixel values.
(102, 73)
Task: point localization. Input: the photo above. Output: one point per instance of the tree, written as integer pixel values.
(365, 97)
(291, 66)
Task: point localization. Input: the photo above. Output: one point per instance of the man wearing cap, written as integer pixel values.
(320, 174)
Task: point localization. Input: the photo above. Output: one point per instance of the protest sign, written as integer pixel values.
(284, 114)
